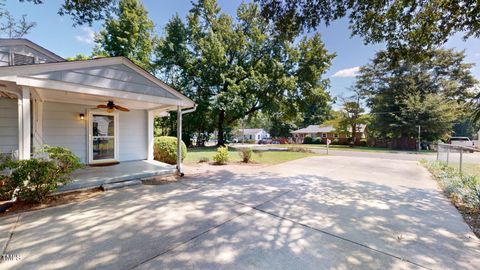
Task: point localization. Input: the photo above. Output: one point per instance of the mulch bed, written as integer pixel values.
(55, 200)
(472, 218)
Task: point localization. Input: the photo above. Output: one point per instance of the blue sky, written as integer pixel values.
(57, 34)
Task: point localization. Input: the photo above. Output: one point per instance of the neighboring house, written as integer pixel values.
(325, 132)
(46, 100)
(250, 134)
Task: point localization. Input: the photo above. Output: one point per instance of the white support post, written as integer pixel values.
(179, 140)
(20, 128)
(151, 139)
(26, 122)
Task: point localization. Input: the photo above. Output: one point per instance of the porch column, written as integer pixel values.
(151, 138)
(24, 151)
(179, 140)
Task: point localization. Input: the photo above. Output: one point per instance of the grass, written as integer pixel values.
(355, 148)
(471, 169)
(196, 155)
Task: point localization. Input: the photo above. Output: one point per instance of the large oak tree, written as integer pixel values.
(236, 67)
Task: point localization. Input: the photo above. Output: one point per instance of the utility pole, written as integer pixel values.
(419, 144)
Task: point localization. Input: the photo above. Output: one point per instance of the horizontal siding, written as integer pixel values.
(8, 125)
(62, 127)
(132, 129)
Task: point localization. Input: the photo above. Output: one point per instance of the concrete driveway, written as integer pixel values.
(316, 213)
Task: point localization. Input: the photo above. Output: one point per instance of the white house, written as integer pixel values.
(250, 134)
(81, 105)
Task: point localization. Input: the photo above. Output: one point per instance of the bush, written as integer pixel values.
(165, 149)
(335, 142)
(298, 149)
(221, 157)
(317, 141)
(34, 179)
(307, 140)
(203, 160)
(245, 154)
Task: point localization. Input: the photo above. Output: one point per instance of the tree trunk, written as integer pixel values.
(221, 131)
(354, 133)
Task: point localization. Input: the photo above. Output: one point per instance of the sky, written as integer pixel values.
(57, 34)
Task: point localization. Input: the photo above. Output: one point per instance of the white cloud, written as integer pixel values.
(87, 36)
(348, 72)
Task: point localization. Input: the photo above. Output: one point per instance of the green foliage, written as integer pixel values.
(221, 157)
(308, 140)
(317, 141)
(235, 68)
(245, 154)
(34, 179)
(414, 24)
(79, 56)
(130, 34)
(404, 94)
(165, 149)
(463, 189)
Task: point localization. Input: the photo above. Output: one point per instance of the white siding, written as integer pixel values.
(132, 129)
(62, 127)
(8, 125)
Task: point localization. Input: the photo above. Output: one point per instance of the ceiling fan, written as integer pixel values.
(111, 107)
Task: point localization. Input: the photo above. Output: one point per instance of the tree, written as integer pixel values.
(351, 114)
(235, 68)
(79, 56)
(84, 11)
(409, 24)
(403, 94)
(11, 27)
(130, 34)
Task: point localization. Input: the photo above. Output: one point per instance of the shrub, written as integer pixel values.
(317, 141)
(307, 140)
(203, 160)
(245, 154)
(298, 149)
(165, 149)
(335, 142)
(250, 141)
(34, 179)
(221, 157)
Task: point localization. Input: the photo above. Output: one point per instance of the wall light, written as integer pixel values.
(82, 116)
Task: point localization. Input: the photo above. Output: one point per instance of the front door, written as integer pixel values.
(103, 139)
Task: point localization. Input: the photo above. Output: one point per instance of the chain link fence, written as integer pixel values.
(457, 156)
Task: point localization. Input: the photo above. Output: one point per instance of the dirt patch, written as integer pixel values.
(161, 180)
(472, 218)
(55, 200)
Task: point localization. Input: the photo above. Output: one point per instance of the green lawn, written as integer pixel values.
(469, 169)
(264, 157)
(348, 148)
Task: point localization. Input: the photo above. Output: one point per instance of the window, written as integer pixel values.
(324, 135)
(20, 59)
(335, 135)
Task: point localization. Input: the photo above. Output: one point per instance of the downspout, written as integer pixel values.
(180, 113)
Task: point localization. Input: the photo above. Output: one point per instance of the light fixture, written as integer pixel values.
(82, 116)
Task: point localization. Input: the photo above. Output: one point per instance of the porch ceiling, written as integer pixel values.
(94, 100)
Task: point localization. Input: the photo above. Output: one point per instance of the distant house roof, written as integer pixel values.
(250, 131)
(315, 129)
(28, 43)
(323, 129)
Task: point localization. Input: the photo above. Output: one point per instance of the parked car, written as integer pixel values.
(461, 141)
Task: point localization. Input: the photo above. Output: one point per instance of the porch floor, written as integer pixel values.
(91, 177)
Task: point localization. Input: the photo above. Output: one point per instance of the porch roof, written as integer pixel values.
(93, 81)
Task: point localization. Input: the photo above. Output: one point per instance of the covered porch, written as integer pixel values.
(93, 177)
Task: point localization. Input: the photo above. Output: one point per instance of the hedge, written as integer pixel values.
(165, 149)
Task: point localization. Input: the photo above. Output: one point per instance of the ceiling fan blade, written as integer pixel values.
(118, 107)
(101, 106)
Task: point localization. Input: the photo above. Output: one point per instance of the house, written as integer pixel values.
(102, 109)
(250, 134)
(325, 132)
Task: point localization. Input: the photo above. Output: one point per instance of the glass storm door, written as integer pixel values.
(103, 138)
